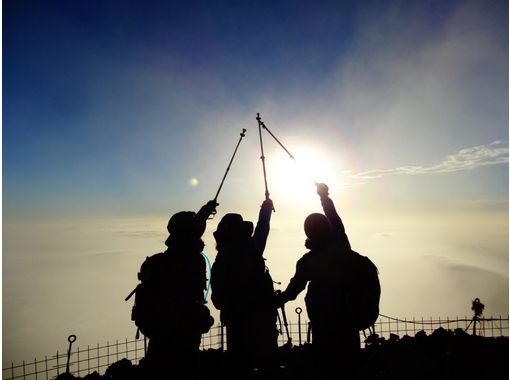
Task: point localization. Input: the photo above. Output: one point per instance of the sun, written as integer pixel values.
(294, 179)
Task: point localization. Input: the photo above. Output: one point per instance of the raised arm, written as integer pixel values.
(206, 210)
(262, 229)
(330, 211)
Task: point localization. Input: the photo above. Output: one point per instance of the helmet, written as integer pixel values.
(186, 224)
(317, 227)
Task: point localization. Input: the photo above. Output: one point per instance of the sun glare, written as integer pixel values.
(295, 179)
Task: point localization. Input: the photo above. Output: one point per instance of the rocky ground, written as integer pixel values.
(444, 354)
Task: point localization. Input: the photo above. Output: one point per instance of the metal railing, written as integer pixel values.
(97, 358)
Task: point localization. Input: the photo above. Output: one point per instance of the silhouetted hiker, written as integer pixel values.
(242, 289)
(169, 304)
(326, 268)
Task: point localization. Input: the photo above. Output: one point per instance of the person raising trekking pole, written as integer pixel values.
(242, 289)
(169, 305)
(325, 268)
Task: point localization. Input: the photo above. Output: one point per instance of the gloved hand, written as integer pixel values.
(268, 203)
(322, 189)
(210, 207)
(279, 299)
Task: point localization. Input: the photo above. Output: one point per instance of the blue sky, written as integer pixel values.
(110, 109)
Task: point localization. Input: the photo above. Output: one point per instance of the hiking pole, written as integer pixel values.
(284, 316)
(289, 339)
(262, 155)
(230, 163)
(261, 123)
(280, 332)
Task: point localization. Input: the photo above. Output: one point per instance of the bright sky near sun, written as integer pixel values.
(117, 114)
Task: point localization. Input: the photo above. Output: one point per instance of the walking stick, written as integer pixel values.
(284, 316)
(230, 163)
(261, 124)
(289, 339)
(262, 155)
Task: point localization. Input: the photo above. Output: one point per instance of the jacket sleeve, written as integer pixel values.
(336, 222)
(297, 283)
(262, 229)
(206, 210)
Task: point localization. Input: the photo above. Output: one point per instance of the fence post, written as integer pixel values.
(35, 368)
(46, 366)
(78, 360)
(58, 369)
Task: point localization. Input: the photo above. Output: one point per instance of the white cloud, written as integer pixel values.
(465, 159)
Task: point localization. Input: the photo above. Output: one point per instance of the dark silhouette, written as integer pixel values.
(169, 303)
(327, 268)
(242, 290)
(477, 306)
(444, 354)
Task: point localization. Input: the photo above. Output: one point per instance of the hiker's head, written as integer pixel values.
(185, 225)
(317, 227)
(231, 228)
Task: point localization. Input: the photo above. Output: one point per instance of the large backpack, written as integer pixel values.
(365, 291)
(147, 296)
(147, 309)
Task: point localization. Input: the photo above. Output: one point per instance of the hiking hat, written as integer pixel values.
(186, 224)
(233, 227)
(317, 227)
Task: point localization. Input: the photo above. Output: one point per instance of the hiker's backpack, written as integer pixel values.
(147, 296)
(365, 291)
(148, 311)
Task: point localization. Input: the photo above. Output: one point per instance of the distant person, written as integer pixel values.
(242, 290)
(169, 304)
(326, 269)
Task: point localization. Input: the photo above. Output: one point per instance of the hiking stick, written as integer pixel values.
(230, 163)
(261, 124)
(278, 141)
(262, 155)
(289, 339)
